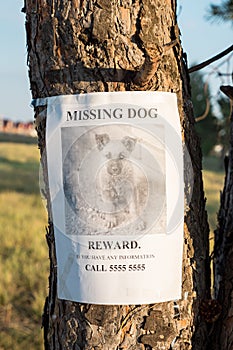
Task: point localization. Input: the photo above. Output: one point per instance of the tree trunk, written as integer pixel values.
(82, 46)
(222, 335)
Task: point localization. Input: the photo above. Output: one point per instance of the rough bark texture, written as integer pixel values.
(80, 46)
(222, 335)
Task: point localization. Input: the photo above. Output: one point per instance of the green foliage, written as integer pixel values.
(23, 251)
(207, 127)
(223, 12)
(18, 138)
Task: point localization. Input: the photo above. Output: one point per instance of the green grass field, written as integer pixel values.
(23, 252)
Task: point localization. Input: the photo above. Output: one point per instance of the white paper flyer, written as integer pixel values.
(115, 166)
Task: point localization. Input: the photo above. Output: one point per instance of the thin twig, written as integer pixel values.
(207, 108)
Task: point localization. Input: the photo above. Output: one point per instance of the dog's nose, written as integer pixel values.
(114, 167)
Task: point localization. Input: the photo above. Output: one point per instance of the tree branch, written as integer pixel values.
(153, 56)
(227, 90)
(211, 60)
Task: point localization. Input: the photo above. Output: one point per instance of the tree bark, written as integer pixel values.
(222, 334)
(81, 46)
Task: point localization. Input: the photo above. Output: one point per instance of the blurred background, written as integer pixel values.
(206, 29)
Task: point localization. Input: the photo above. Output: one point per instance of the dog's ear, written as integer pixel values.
(102, 140)
(129, 143)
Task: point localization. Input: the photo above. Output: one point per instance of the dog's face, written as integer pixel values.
(115, 151)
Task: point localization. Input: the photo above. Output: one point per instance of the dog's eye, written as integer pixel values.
(121, 156)
(109, 155)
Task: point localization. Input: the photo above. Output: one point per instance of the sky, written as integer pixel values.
(200, 40)
(203, 39)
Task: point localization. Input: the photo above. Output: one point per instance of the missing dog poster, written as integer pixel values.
(115, 167)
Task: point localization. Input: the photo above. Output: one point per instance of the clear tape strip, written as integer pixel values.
(37, 102)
